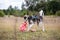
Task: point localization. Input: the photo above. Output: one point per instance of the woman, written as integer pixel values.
(41, 14)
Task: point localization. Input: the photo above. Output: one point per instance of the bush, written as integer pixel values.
(23, 12)
(58, 13)
(1, 14)
(49, 13)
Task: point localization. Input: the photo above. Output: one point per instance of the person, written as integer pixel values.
(41, 15)
(23, 26)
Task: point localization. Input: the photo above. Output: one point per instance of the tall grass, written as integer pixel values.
(52, 30)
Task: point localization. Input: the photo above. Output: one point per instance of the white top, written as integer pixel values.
(41, 13)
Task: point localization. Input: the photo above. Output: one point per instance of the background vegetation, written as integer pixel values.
(49, 7)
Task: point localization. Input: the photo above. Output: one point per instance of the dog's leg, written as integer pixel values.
(29, 27)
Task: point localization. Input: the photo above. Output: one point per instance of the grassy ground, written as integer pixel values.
(7, 32)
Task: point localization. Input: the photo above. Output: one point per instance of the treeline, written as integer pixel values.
(49, 7)
(10, 11)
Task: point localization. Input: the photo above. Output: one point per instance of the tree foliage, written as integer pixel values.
(49, 6)
(53, 6)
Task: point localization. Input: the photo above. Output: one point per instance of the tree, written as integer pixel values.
(10, 10)
(23, 6)
(56, 0)
(16, 11)
(31, 3)
(53, 6)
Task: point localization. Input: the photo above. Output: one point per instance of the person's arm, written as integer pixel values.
(43, 14)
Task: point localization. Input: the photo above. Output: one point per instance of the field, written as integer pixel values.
(9, 32)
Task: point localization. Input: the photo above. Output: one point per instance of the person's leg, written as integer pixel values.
(37, 22)
(43, 27)
(41, 24)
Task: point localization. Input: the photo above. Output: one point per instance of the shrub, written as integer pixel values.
(49, 13)
(1, 14)
(58, 13)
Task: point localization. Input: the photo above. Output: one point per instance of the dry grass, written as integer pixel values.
(52, 29)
